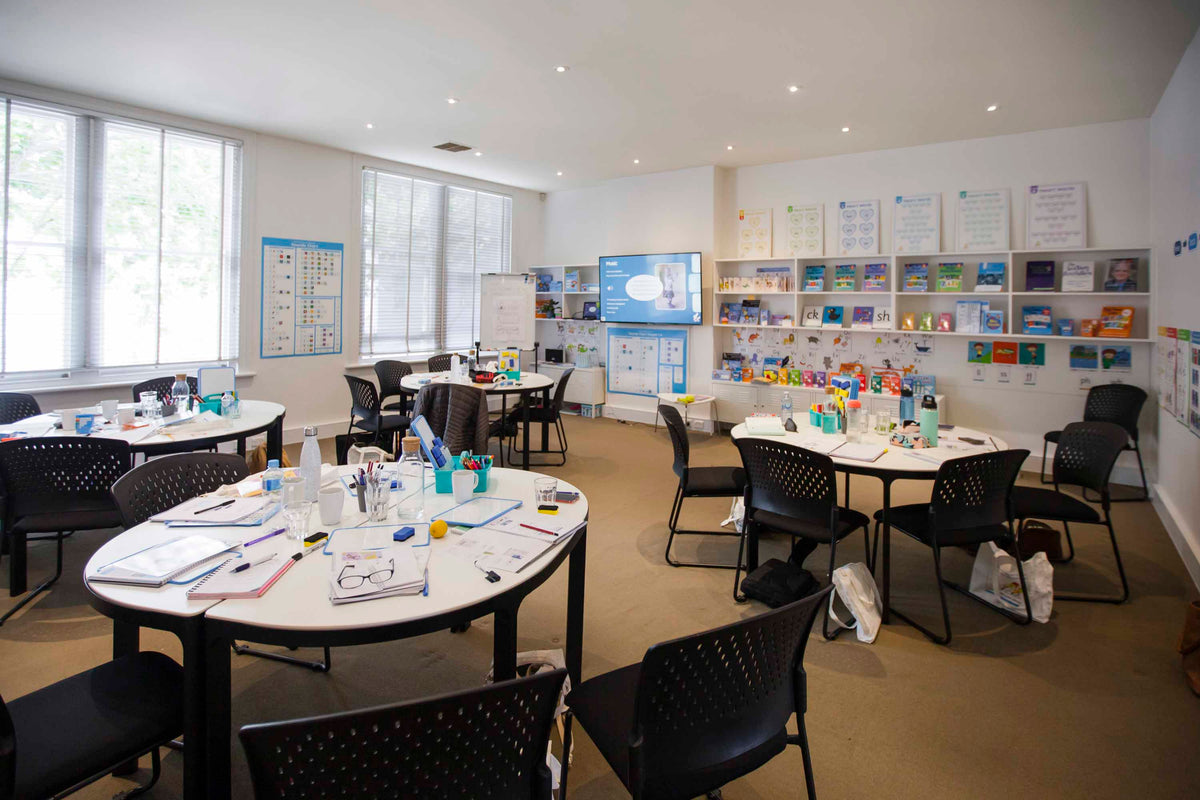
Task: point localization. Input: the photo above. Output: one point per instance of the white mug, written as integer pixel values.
(68, 419)
(109, 409)
(463, 482)
(329, 502)
(125, 416)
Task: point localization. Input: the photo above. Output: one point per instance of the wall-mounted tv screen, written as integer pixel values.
(663, 288)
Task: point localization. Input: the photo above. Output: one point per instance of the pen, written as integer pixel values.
(214, 508)
(248, 565)
(275, 532)
(539, 530)
(993, 441)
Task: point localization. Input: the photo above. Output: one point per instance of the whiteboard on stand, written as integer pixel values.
(506, 311)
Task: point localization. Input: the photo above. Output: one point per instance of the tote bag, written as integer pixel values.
(994, 580)
(855, 585)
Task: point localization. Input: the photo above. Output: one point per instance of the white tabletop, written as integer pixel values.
(896, 459)
(256, 414)
(300, 600)
(529, 382)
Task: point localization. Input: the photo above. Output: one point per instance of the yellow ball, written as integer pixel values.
(437, 528)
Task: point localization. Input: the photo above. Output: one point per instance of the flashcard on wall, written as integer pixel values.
(978, 373)
(1004, 375)
(1030, 377)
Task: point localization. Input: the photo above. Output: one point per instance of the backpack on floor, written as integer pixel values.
(778, 583)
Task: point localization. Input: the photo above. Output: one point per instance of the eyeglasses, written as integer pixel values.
(378, 577)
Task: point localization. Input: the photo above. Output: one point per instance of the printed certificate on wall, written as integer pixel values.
(982, 220)
(1056, 216)
(917, 223)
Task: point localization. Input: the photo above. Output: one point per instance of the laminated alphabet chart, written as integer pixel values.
(982, 220)
(917, 223)
(301, 298)
(646, 361)
(858, 228)
(1056, 216)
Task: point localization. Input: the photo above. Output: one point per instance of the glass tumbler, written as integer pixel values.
(295, 507)
(545, 489)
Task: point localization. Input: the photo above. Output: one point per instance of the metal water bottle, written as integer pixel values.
(929, 419)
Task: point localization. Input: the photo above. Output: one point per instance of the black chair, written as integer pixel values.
(55, 485)
(488, 742)
(1085, 457)
(696, 482)
(971, 504)
(390, 373)
(59, 739)
(539, 413)
(365, 406)
(162, 386)
(1120, 404)
(163, 483)
(15, 406)
(793, 491)
(703, 710)
(439, 363)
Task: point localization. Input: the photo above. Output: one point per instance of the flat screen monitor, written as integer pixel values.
(662, 289)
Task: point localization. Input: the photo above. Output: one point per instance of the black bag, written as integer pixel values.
(778, 583)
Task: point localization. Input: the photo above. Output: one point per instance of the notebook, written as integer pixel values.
(225, 584)
(161, 563)
(357, 575)
(764, 426)
(859, 451)
(212, 509)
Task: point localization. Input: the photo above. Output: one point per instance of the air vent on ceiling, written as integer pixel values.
(452, 147)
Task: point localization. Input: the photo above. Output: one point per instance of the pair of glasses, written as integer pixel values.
(379, 576)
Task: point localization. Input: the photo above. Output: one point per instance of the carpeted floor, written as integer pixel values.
(1091, 705)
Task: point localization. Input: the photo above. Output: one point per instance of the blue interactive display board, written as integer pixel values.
(647, 361)
(662, 289)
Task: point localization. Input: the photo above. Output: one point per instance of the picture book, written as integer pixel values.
(571, 280)
(1122, 275)
(969, 315)
(814, 278)
(1116, 322)
(747, 374)
(780, 320)
(795, 377)
(883, 319)
(926, 321)
(916, 277)
(875, 278)
(819, 379)
(979, 352)
(949, 277)
(731, 313)
(722, 375)
(992, 321)
(831, 317)
(843, 277)
(808, 378)
(812, 317)
(876, 383)
(1066, 327)
(1039, 276)
(945, 322)
(1037, 320)
(1088, 327)
(990, 277)
(750, 312)
(1078, 276)
(863, 317)
(908, 322)
(924, 384)
(543, 280)
(773, 279)
(731, 362)
(1004, 352)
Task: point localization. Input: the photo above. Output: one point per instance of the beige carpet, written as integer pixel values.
(1091, 705)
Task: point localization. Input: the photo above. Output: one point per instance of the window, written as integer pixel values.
(121, 244)
(424, 246)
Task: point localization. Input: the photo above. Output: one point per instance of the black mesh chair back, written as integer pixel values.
(363, 397)
(390, 373)
(560, 391)
(56, 475)
(1118, 403)
(975, 491)
(162, 386)
(488, 742)
(706, 701)
(679, 438)
(165, 482)
(1087, 453)
(439, 363)
(788, 480)
(15, 406)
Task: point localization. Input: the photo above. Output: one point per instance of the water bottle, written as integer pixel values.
(454, 372)
(310, 464)
(906, 407)
(854, 414)
(272, 482)
(929, 419)
(411, 474)
(785, 412)
(180, 393)
(226, 404)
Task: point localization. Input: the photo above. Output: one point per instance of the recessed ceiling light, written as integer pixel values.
(478, 152)
(370, 125)
(993, 107)
(728, 147)
(451, 100)
(560, 173)
(637, 161)
(845, 130)
(793, 88)
(561, 68)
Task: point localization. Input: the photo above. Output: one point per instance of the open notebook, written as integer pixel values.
(225, 584)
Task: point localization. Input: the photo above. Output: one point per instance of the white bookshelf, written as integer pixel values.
(570, 302)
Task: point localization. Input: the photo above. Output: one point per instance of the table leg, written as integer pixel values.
(275, 439)
(241, 447)
(125, 642)
(504, 645)
(886, 564)
(195, 770)
(216, 717)
(576, 575)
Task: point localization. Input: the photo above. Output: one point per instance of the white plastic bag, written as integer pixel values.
(856, 586)
(737, 514)
(994, 580)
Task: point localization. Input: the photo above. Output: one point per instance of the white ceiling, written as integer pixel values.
(669, 83)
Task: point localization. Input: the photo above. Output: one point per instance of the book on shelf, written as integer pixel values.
(1116, 322)
(831, 317)
(1122, 275)
(543, 281)
(750, 312)
(1039, 276)
(808, 377)
(925, 323)
(812, 317)
(945, 322)
(1066, 327)
(916, 277)
(814, 278)
(779, 320)
(1078, 276)
(992, 321)
(844, 277)
(1037, 320)
(908, 322)
(722, 375)
(731, 314)
(818, 379)
(571, 280)
(883, 318)
(990, 277)
(968, 315)
(863, 317)
(1088, 327)
(875, 278)
(732, 362)
(949, 277)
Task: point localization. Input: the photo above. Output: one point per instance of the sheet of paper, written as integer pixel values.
(1056, 216)
(532, 525)
(494, 549)
(982, 220)
(917, 223)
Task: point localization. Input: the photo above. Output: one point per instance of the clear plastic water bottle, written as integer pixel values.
(310, 464)
(411, 474)
(180, 393)
(226, 404)
(785, 412)
(272, 482)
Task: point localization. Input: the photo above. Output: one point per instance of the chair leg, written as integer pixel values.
(867, 552)
(737, 568)
(825, 618)
(673, 522)
(41, 587)
(315, 666)
(1145, 495)
(155, 771)
(1085, 598)
(801, 739)
(937, 568)
(1070, 544)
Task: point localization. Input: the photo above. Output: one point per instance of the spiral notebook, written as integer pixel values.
(225, 584)
(161, 563)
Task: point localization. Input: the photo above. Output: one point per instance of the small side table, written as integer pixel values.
(700, 399)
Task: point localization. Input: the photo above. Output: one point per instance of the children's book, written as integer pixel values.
(814, 278)
(990, 277)
(731, 362)
(950, 277)
(543, 281)
(926, 321)
(1116, 322)
(843, 277)
(832, 317)
(1078, 276)
(812, 317)
(1039, 276)
(883, 319)
(916, 277)
(908, 322)
(819, 380)
(808, 378)
(1037, 320)
(969, 315)
(992, 322)
(571, 280)
(750, 312)
(1066, 327)
(1089, 327)
(1122, 275)
(875, 278)
(731, 313)
(781, 320)
(945, 322)
(863, 317)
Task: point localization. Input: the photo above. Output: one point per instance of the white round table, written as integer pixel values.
(675, 398)
(296, 611)
(895, 464)
(527, 384)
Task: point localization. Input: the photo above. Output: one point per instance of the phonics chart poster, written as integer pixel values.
(301, 298)
(981, 221)
(917, 223)
(1056, 216)
(646, 361)
(858, 228)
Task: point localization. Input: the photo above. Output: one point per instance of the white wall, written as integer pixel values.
(1175, 212)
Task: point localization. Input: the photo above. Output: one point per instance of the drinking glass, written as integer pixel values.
(150, 407)
(295, 507)
(545, 489)
(377, 495)
(884, 425)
